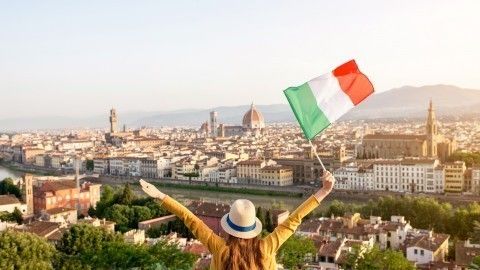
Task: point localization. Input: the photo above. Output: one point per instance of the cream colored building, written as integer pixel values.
(248, 171)
(276, 175)
(454, 176)
(476, 180)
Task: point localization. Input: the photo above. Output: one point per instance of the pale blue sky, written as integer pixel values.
(82, 57)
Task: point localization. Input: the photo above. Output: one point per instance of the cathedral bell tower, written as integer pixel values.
(113, 121)
(431, 131)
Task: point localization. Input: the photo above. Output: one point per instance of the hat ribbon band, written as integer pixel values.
(240, 228)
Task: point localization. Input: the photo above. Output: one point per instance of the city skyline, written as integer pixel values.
(81, 59)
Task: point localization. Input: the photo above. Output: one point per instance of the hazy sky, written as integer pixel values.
(82, 57)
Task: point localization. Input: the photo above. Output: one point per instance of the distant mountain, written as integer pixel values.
(409, 101)
(403, 102)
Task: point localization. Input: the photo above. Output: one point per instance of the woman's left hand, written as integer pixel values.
(151, 190)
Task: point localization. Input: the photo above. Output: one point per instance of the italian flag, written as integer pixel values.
(319, 102)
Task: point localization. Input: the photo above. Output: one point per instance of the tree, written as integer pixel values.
(269, 226)
(127, 195)
(375, 259)
(469, 158)
(88, 247)
(20, 250)
(171, 256)
(121, 215)
(108, 198)
(8, 187)
(85, 239)
(294, 251)
(89, 165)
(475, 236)
(17, 215)
(338, 208)
(475, 265)
(261, 215)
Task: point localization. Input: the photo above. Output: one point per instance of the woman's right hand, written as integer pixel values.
(151, 190)
(328, 181)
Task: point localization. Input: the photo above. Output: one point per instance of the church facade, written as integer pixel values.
(389, 146)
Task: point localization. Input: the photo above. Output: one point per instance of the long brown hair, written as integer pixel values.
(244, 254)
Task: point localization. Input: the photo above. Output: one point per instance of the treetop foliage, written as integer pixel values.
(8, 187)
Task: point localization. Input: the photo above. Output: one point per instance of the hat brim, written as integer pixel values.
(239, 234)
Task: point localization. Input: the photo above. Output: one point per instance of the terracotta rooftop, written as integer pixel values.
(428, 243)
(330, 249)
(208, 209)
(8, 199)
(310, 226)
(250, 162)
(41, 228)
(58, 185)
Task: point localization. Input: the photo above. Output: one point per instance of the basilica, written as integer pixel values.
(253, 124)
(428, 145)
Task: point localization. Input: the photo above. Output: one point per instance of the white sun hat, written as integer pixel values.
(241, 221)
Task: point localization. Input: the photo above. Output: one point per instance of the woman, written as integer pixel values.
(243, 249)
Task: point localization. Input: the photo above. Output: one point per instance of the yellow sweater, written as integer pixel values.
(216, 245)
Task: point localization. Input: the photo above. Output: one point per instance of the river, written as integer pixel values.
(5, 172)
(283, 202)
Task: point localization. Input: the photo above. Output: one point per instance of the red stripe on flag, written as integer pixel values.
(353, 82)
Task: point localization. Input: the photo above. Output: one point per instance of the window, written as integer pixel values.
(421, 252)
(415, 251)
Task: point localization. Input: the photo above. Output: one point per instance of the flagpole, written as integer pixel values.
(315, 152)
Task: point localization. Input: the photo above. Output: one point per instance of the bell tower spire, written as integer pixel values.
(431, 131)
(431, 121)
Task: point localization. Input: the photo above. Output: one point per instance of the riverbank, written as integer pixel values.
(207, 186)
(20, 169)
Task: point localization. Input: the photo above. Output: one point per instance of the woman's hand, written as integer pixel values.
(328, 183)
(151, 190)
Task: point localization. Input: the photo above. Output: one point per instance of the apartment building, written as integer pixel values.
(454, 176)
(276, 175)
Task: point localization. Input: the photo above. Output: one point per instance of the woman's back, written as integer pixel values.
(243, 249)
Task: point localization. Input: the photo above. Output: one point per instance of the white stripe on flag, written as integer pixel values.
(331, 99)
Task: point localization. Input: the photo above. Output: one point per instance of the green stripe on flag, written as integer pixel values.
(304, 106)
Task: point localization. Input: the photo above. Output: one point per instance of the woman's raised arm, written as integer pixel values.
(283, 231)
(201, 231)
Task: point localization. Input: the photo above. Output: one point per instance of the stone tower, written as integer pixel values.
(113, 121)
(431, 131)
(28, 192)
(213, 123)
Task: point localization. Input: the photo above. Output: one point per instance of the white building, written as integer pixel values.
(8, 203)
(117, 166)
(100, 165)
(427, 247)
(76, 145)
(60, 215)
(149, 168)
(223, 175)
(354, 177)
(408, 175)
(134, 237)
(133, 166)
